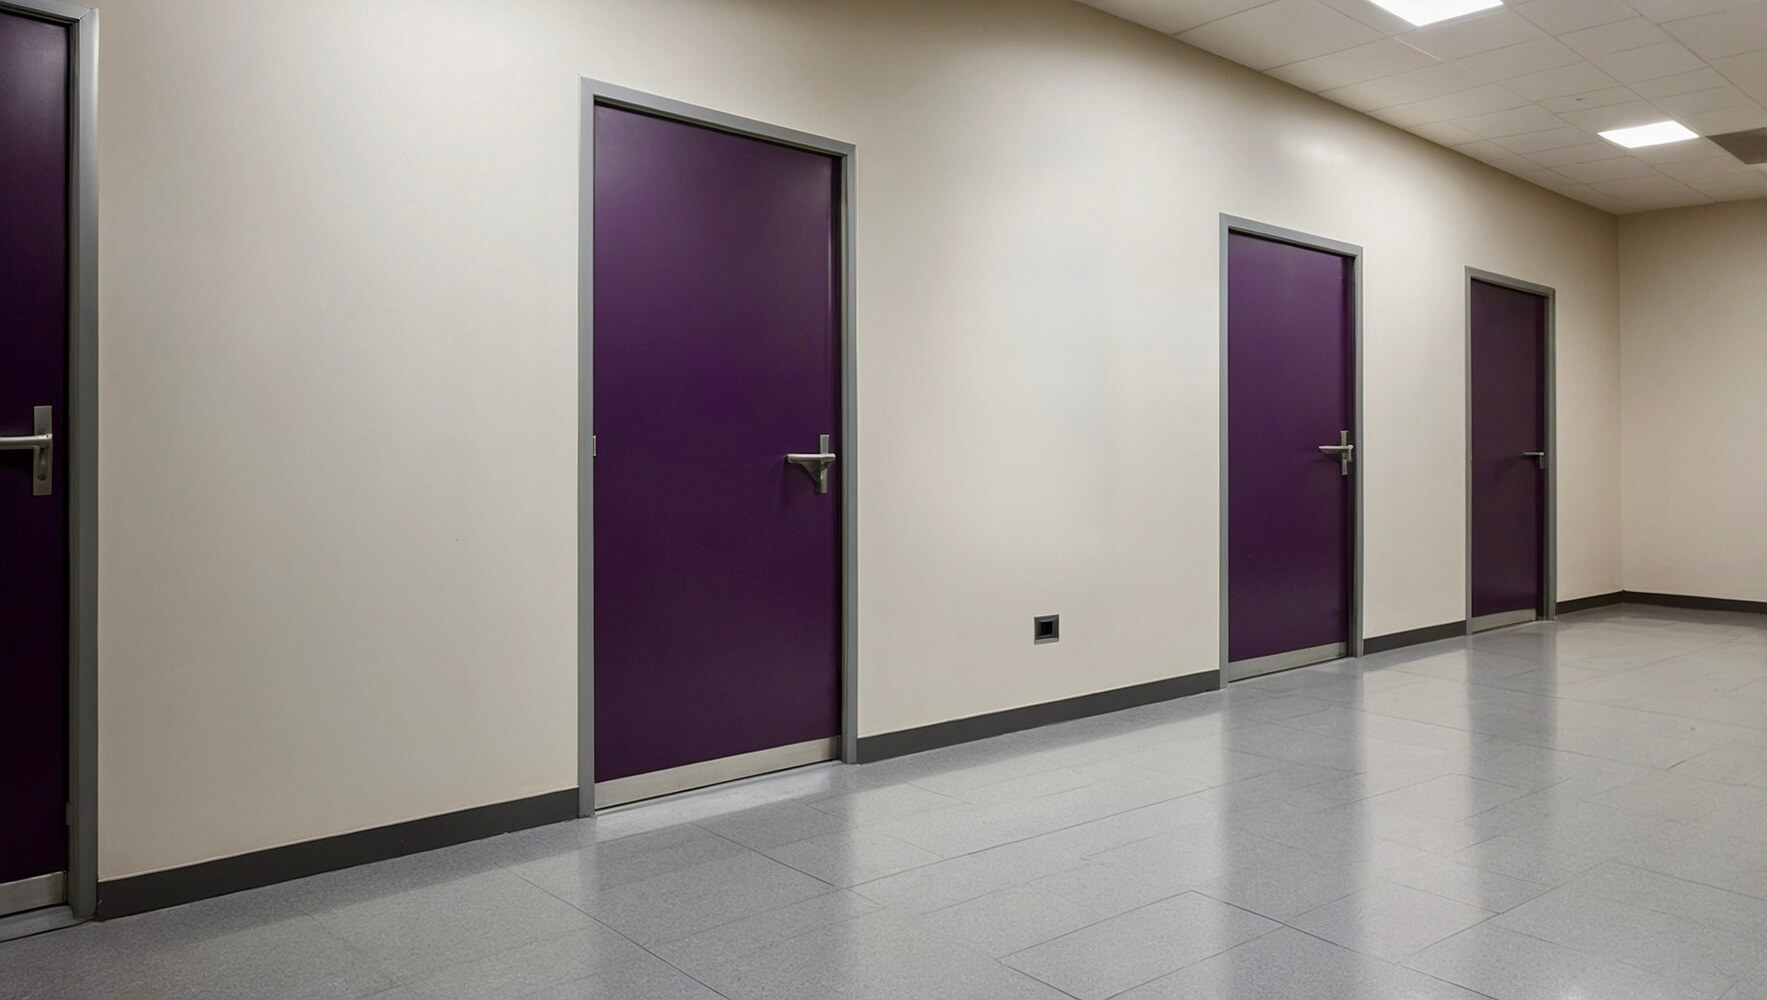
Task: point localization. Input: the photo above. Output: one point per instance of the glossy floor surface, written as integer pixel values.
(1576, 810)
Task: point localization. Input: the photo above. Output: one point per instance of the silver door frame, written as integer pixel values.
(82, 487)
(595, 93)
(1548, 609)
(1231, 224)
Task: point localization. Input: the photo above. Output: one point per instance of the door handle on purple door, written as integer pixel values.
(41, 445)
(816, 465)
(1344, 450)
(1539, 457)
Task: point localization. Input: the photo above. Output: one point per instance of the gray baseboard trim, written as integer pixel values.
(1571, 607)
(155, 890)
(978, 727)
(1696, 603)
(1413, 637)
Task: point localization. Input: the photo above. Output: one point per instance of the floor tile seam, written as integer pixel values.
(1393, 743)
(1193, 962)
(1365, 956)
(1043, 833)
(1693, 881)
(1590, 756)
(377, 965)
(1596, 956)
(1138, 909)
(1701, 922)
(1623, 962)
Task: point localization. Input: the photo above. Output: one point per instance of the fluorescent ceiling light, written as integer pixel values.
(1640, 136)
(1422, 12)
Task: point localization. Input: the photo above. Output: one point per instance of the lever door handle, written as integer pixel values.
(1344, 450)
(815, 465)
(1539, 457)
(41, 445)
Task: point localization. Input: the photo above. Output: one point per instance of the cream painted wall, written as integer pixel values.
(1693, 298)
(339, 364)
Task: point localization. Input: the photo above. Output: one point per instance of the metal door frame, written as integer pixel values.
(1233, 224)
(1548, 609)
(594, 93)
(81, 884)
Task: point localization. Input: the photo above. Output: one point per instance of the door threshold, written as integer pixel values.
(1502, 619)
(620, 791)
(1258, 666)
(34, 922)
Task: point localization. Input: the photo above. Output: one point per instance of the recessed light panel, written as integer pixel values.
(1656, 134)
(1422, 12)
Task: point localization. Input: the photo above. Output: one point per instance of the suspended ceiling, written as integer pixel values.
(1524, 87)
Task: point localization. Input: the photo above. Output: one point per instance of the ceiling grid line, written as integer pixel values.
(1525, 86)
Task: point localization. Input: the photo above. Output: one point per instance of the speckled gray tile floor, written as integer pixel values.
(1576, 809)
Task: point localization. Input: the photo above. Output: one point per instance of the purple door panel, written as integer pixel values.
(33, 372)
(716, 353)
(1290, 351)
(1508, 486)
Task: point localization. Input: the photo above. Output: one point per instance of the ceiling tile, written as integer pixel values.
(1484, 149)
(1649, 62)
(1669, 10)
(1718, 99)
(1405, 88)
(1552, 138)
(1384, 21)
(1280, 33)
(1748, 72)
(1616, 37)
(1520, 60)
(1478, 101)
(1560, 16)
(1710, 168)
(1680, 83)
(1446, 133)
(1387, 57)
(1515, 121)
(1593, 99)
(1730, 33)
(1467, 36)
(1596, 150)
(1654, 190)
(1405, 116)
(1681, 152)
(1727, 120)
(1594, 171)
(1580, 78)
(1614, 116)
(1173, 16)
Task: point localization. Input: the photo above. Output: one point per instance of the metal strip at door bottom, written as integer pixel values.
(33, 893)
(713, 772)
(1485, 623)
(1257, 666)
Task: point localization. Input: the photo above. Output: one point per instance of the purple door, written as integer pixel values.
(1508, 477)
(1290, 393)
(33, 506)
(716, 355)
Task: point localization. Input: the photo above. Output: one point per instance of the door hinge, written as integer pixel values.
(67, 814)
(591, 446)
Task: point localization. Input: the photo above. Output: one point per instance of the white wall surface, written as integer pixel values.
(1694, 308)
(339, 366)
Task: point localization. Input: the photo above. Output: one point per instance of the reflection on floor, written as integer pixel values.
(1568, 810)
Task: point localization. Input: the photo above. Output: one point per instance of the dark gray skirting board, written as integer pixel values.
(1696, 603)
(979, 727)
(1413, 637)
(140, 893)
(1663, 601)
(1591, 603)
